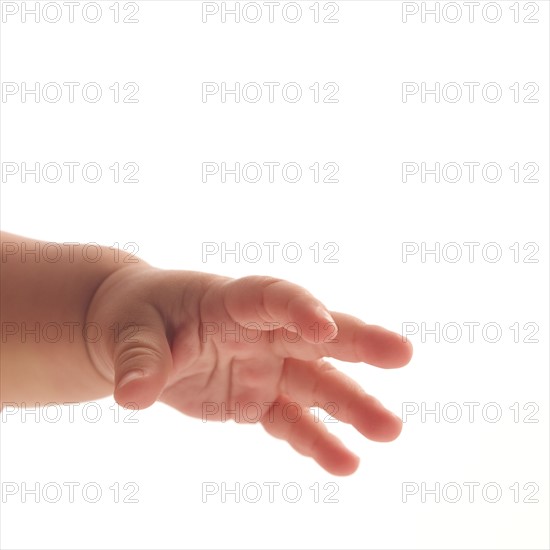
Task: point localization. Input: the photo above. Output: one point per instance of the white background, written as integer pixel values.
(369, 213)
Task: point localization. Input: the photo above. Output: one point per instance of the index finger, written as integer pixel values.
(275, 302)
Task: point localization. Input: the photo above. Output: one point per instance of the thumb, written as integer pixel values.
(142, 362)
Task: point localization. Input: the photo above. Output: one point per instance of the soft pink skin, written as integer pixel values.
(185, 366)
(187, 370)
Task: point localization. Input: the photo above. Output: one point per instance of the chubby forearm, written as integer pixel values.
(188, 339)
(45, 290)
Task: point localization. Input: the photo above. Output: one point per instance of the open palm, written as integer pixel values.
(249, 350)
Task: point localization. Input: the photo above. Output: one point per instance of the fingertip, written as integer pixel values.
(407, 353)
(128, 377)
(375, 421)
(388, 429)
(336, 458)
(345, 465)
(135, 391)
(316, 324)
(394, 427)
(388, 349)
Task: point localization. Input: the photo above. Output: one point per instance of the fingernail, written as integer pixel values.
(129, 377)
(328, 324)
(322, 313)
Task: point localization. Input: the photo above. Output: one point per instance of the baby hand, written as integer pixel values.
(206, 344)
